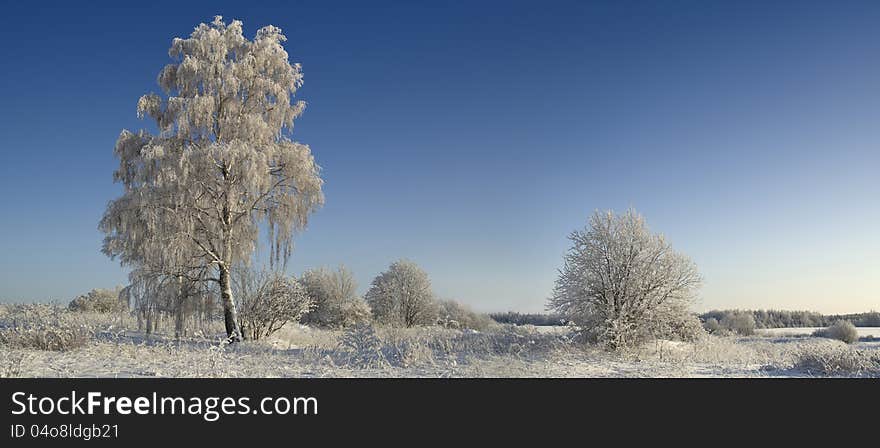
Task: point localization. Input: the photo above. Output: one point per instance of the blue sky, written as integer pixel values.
(472, 137)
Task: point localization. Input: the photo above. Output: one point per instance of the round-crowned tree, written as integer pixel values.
(99, 300)
(621, 284)
(402, 296)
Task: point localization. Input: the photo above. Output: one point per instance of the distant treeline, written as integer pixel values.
(788, 319)
(512, 317)
(763, 318)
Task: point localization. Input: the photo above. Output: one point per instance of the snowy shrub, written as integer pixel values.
(455, 315)
(402, 296)
(620, 282)
(712, 326)
(741, 323)
(99, 300)
(522, 341)
(334, 293)
(437, 345)
(10, 363)
(409, 346)
(268, 301)
(44, 327)
(538, 319)
(677, 325)
(362, 346)
(838, 361)
(841, 330)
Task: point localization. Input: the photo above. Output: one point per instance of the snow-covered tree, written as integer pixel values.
(99, 300)
(222, 165)
(402, 296)
(739, 322)
(337, 303)
(621, 284)
(452, 314)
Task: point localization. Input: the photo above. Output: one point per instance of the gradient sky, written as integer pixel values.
(472, 137)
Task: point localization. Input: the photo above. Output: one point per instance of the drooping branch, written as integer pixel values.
(223, 163)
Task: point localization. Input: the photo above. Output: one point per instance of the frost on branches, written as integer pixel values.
(621, 284)
(222, 163)
(402, 296)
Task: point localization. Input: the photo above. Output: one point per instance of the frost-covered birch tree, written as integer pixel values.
(621, 283)
(222, 166)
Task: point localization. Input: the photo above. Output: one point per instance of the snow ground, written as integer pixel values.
(299, 351)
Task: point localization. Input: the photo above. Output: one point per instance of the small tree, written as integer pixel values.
(336, 301)
(99, 300)
(268, 301)
(620, 283)
(739, 322)
(402, 296)
(452, 314)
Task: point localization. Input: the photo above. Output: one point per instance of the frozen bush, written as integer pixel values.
(455, 315)
(402, 296)
(437, 345)
(838, 361)
(44, 327)
(538, 319)
(334, 294)
(741, 323)
(677, 325)
(10, 363)
(268, 301)
(712, 326)
(99, 300)
(841, 330)
(363, 347)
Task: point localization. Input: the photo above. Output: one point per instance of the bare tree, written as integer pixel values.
(268, 301)
(402, 296)
(620, 283)
(222, 164)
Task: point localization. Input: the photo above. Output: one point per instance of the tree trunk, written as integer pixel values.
(233, 331)
(178, 309)
(179, 324)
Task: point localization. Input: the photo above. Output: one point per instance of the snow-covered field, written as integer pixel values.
(433, 352)
(42, 341)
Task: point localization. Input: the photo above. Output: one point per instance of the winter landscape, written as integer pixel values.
(58, 342)
(211, 189)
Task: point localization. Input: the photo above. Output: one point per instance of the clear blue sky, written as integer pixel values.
(472, 137)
